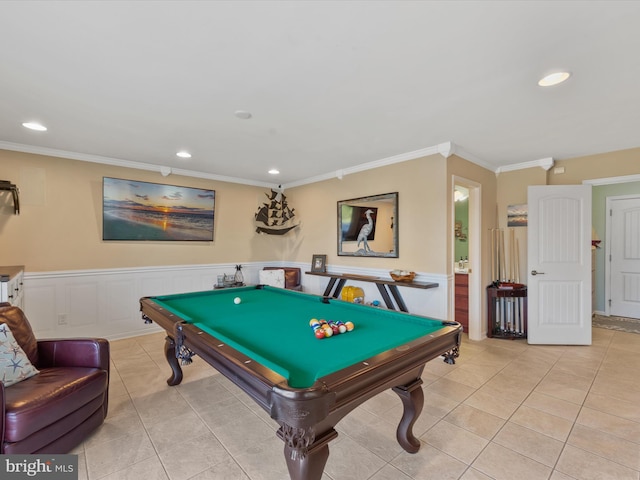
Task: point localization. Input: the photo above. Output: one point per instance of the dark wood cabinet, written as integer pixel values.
(462, 300)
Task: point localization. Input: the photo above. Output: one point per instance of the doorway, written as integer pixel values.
(623, 252)
(466, 256)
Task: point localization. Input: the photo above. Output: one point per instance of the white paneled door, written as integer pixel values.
(623, 245)
(559, 265)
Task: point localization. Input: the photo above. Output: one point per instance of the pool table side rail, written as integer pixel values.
(257, 378)
(400, 360)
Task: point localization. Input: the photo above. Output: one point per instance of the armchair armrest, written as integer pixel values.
(2, 413)
(74, 352)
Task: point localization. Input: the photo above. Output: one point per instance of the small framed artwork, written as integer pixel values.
(319, 263)
(517, 215)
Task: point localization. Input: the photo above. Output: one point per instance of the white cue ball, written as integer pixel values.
(237, 300)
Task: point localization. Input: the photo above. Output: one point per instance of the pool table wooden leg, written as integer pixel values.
(170, 355)
(309, 466)
(412, 398)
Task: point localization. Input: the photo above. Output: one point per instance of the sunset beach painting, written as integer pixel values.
(134, 210)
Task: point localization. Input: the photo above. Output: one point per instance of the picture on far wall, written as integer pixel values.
(368, 226)
(517, 215)
(134, 210)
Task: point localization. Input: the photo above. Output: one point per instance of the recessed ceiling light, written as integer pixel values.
(34, 126)
(274, 171)
(183, 154)
(244, 115)
(553, 79)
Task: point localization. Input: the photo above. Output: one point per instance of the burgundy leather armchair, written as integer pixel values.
(56, 409)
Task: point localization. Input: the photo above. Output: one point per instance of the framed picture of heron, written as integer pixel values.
(368, 226)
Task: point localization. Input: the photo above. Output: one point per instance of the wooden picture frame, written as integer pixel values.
(146, 211)
(368, 226)
(319, 263)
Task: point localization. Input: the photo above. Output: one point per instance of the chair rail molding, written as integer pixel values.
(105, 302)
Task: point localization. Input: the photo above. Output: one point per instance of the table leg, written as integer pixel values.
(412, 398)
(170, 355)
(309, 466)
(385, 296)
(399, 300)
(336, 292)
(327, 291)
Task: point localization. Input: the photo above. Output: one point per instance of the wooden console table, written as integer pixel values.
(386, 287)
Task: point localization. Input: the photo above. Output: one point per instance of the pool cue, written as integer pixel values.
(517, 276)
(512, 256)
(517, 261)
(493, 260)
(512, 276)
(505, 305)
(502, 255)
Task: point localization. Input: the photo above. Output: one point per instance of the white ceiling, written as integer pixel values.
(331, 85)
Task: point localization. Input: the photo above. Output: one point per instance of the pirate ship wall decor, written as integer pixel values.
(275, 217)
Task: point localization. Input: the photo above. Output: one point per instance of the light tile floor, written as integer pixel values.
(505, 411)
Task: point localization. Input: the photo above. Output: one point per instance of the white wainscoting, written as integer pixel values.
(105, 303)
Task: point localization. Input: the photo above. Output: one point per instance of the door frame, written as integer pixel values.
(595, 182)
(607, 263)
(476, 329)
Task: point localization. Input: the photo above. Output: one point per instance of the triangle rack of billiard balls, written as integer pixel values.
(324, 329)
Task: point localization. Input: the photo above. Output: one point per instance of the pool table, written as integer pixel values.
(265, 345)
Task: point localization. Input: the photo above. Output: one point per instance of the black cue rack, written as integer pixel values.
(507, 312)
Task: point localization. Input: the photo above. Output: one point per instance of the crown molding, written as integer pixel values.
(611, 180)
(118, 162)
(339, 174)
(446, 149)
(545, 163)
(462, 153)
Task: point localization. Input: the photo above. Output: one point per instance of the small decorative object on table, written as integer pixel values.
(402, 275)
(239, 278)
(319, 263)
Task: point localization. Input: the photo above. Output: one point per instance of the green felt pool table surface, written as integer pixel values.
(271, 326)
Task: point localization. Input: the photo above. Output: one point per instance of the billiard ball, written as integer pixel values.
(328, 332)
(314, 321)
(237, 300)
(342, 328)
(349, 326)
(319, 333)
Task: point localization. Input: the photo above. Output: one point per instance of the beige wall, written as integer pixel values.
(604, 165)
(60, 224)
(512, 185)
(512, 190)
(422, 219)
